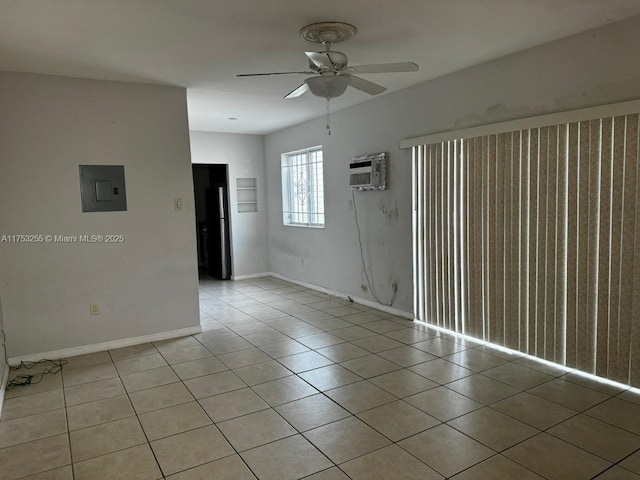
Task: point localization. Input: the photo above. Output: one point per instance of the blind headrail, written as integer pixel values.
(600, 111)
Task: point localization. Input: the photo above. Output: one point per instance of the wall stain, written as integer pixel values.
(494, 114)
(391, 214)
(599, 94)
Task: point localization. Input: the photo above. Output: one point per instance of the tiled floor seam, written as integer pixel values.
(149, 444)
(236, 452)
(302, 433)
(593, 477)
(66, 416)
(624, 458)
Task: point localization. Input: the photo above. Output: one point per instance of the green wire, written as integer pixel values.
(23, 380)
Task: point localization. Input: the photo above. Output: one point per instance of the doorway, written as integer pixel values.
(210, 186)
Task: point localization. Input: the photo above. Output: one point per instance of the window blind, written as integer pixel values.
(530, 239)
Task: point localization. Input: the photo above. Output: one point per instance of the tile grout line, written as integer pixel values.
(66, 416)
(137, 417)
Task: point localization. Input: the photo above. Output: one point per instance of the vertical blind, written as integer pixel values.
(531, 239)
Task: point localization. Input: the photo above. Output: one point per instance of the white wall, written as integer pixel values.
(148, 284)
(597, 67)
(245, 156)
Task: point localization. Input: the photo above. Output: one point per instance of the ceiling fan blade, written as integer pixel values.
(273, 73)
(298, 91)
(320, 60)
(365, 85)
(384, 68)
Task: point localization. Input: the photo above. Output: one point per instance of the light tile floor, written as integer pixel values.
(285, 382)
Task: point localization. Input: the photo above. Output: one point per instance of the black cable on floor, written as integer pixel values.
(23, 380)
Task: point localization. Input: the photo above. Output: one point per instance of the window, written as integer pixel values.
(303, 188)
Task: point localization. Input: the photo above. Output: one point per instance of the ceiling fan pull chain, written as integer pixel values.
(328, 127)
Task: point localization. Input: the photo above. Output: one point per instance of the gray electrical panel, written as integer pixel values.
(102, 188)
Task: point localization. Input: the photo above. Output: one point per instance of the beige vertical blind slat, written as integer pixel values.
(582, 315)
(595, 163)
(560, 323)
(541, 257)
(449, 194)
(627, 256)
(439, 233)
(444, 219)
(499, 229)
(457, 231)
(469, 327)
(427, 244)
(486, 259)
(420, 279)
(432, 307)
(463, 210)
(423, 212)
(442, 186)
(452, 191)
(524, 243)
(571, 353)
(513, 297)
(477, 245)
(602, 327)
(446, 242)
(492, 193)
(453, 241)
(617, 212)
(428, 247)
(533, 237)
(551, 243)
(421, 247)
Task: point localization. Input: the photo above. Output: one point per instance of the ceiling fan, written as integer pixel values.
(330, 70)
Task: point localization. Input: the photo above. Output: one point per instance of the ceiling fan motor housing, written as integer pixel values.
(338, 61)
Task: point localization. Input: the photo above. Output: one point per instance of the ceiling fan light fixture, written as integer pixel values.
(328, 86)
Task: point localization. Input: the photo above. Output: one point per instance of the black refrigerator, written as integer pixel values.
(218, 243)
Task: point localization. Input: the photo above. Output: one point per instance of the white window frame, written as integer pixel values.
(309, 211)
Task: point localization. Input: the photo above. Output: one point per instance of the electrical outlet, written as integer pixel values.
(364, 288)
(94, 309)
(177, 204)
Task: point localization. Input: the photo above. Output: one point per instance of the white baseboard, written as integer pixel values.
(359, 300)
(250, 275)
(100, 347)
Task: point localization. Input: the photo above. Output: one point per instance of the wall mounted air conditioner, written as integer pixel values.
(369, 172)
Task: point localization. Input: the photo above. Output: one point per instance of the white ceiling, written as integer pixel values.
(202, 44)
